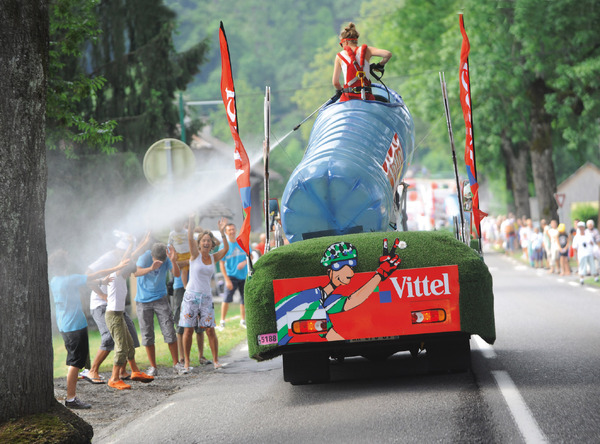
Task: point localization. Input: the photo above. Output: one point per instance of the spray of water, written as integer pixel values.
(281, 140)
(85, 226)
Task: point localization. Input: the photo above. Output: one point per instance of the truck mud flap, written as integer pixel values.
(449, 355)
(305, 367)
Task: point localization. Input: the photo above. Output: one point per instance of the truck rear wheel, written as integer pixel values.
(305, 367)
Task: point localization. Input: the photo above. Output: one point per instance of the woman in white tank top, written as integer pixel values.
(197, 305)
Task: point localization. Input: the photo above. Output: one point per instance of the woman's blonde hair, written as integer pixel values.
(349, 32)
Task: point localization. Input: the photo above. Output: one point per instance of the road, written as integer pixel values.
(538, 383)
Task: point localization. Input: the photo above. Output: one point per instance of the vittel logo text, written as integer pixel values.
(416, 287)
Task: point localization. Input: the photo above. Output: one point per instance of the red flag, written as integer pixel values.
(242, 163)
(465, 101)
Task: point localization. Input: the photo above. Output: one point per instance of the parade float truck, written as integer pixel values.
(349, 284)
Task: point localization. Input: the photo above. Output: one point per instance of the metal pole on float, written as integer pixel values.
(182, 117)
(266, 148)
(451, 135)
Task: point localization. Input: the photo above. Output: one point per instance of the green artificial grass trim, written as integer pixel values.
(424, 249)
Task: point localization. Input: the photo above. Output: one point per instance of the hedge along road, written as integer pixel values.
(537, 383)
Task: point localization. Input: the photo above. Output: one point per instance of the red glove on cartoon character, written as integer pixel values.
(388, 262)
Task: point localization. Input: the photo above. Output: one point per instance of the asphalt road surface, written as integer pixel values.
(537, 383)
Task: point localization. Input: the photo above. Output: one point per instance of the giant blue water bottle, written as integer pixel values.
(357, 154)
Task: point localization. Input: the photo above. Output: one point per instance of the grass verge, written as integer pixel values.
(228, 339)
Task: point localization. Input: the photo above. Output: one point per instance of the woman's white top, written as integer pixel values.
(200, 274)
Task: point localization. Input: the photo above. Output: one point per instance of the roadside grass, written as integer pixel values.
(228, 339)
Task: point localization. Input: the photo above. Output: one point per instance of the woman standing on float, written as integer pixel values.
(353, 63)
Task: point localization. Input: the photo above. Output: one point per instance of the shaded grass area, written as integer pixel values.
(228, 339)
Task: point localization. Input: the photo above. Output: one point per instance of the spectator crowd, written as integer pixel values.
(549, 246)
(189, 261)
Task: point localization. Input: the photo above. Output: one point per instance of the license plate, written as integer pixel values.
(267, 339)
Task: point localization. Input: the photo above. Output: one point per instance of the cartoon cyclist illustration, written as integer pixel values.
(311, 308)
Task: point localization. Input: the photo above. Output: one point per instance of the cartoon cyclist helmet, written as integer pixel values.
(340, 254)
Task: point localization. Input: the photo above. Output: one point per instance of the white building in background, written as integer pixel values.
(583, 186)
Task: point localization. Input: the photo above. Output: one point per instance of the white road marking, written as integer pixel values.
(592, 290)
(486, 349)
(522, 415)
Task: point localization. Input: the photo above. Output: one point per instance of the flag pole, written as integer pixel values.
(451, 135)
(478, 221)
(266, 148)
(241, 161)
(471, 107)
(475, 209)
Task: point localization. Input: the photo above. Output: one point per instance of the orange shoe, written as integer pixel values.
(141, 377)
(119, 385)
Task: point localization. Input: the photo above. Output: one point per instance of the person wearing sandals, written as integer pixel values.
(98, 311)
(71, 320)
(115, 320)
(197, 307)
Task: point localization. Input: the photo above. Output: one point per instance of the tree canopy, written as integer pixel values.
(534, 79)
(72, 23)
(534, 70)
(126, 70)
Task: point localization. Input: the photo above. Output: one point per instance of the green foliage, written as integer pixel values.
(283, 160)
(585, 212)
(513, 44)
(143, 72)
(114, 75)
(72, 23)
(250, 113)
(271, 44)
(130, 72)
(560, 43)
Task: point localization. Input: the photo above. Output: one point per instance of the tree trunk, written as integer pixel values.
(26, 367)
(517, 162)
(544, 177)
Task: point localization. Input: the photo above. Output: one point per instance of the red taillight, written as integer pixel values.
(309, 326)
(428, 316)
